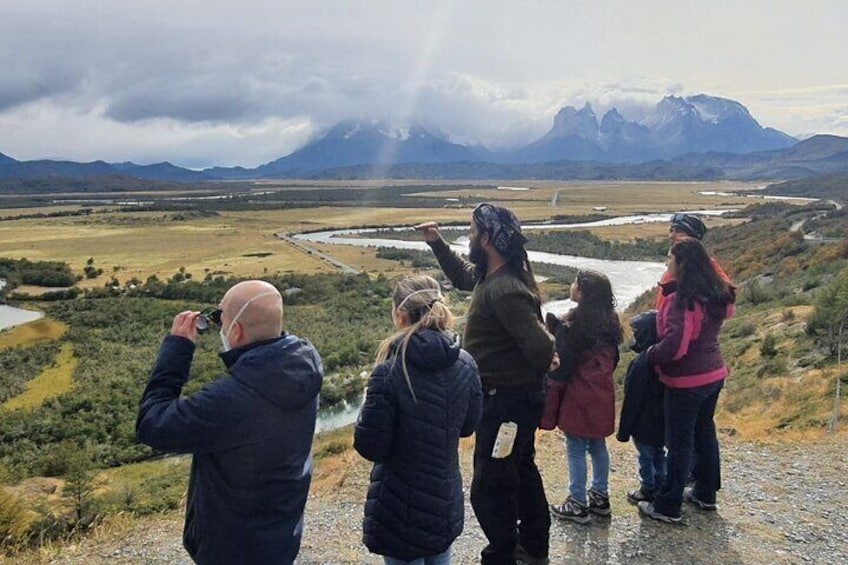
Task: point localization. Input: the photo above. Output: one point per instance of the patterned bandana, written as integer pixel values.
(502, 226)
(689, 224)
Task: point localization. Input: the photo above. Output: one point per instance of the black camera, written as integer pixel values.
(209, 315)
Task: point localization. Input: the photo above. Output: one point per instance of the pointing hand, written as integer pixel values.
(430, 231)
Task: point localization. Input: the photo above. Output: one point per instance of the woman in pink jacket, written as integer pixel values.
(689, 363)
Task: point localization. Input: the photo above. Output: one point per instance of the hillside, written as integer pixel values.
(779, 504)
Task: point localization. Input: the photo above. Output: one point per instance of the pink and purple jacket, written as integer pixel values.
(687, 354)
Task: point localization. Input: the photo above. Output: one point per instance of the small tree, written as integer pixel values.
(829, 325)
(79, 482)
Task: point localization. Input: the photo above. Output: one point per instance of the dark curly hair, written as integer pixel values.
(697, 279)
(594, 322)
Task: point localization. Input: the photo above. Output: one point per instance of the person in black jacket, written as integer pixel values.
(423, 395)
(250, 431)
(642, 415)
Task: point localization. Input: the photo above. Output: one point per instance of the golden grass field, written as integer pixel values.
(29, 334)
(53, 381)
(139, 244)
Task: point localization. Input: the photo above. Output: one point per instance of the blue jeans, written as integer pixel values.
(652, 466)
(576, 448)
(689, 427)
(440, 559)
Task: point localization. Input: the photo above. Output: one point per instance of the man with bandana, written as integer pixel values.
(505, 334)
(250, 431)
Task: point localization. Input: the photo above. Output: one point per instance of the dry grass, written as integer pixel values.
(140, 244)
(32, 333)
(53, 381)
(620, 198)
(156, 247)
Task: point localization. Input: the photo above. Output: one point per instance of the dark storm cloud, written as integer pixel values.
(207, 76)
(22, 83)
(200, 70)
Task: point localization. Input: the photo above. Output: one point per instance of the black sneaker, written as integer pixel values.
(647, 509)
(524, 558)
(599, 503)
(690, 497)
(571, 510)
(638, 495)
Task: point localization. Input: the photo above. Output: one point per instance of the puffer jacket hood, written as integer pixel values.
(644, 331)
(430, 350)
(289, 385)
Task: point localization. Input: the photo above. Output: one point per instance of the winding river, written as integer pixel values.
(629, 278)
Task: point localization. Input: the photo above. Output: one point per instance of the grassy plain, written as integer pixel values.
(32, 333)
(138, 244)
(53, 381)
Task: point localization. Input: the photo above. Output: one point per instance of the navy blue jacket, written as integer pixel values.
(415, 505)
(250, 433)
(642, 412)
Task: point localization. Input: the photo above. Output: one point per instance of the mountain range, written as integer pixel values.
(694, 137)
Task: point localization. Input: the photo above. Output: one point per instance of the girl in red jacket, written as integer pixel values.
(581, 395)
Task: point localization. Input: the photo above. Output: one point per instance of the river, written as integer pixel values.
(11, 316)
(629, 278)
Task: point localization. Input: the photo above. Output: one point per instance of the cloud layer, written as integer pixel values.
(203, 83)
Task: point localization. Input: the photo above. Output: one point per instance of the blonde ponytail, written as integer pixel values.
(420, 297)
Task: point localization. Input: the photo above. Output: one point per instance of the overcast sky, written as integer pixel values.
(208, 82)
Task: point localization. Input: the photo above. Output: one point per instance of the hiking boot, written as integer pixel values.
(599, 503)
(638, 495)
(690, 497)
(524, 558)
(647, 509)
(571, 510)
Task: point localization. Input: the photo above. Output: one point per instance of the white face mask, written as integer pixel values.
(225, 343)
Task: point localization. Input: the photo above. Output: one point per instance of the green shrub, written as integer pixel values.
(772, 367)
(741, 329)
(768, 348)
(756, 292)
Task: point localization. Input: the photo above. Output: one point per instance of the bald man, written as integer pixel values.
(250, 431)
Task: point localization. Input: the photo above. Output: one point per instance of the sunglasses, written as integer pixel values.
(208, 315)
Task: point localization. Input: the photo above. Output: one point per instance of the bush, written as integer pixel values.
(15, 521)
(769, 346)
(772, 367)
(743, 329)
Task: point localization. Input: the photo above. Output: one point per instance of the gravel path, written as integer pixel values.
(780, 504)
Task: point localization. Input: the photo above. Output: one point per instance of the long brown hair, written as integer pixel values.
(697, 279)
(593, 322)
(420, 297)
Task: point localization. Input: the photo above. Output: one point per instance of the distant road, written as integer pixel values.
(815, 238)
(343, 267)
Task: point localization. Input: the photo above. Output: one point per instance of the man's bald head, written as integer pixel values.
(261, 308)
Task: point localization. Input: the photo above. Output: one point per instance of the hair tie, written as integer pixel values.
(411, 294)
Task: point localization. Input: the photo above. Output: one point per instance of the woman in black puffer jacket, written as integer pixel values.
(423, 395)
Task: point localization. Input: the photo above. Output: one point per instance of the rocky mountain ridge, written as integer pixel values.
(696, 138)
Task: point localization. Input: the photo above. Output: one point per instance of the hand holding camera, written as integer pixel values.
(188, 324)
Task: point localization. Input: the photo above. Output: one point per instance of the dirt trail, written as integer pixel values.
(779, 504)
